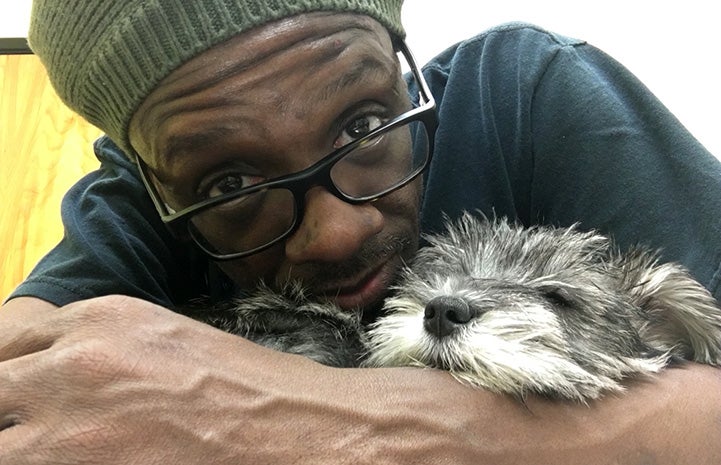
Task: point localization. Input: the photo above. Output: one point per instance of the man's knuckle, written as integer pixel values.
(97, 361)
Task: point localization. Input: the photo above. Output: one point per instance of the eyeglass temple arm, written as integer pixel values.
(424, 93)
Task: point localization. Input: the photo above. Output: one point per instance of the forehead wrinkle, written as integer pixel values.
(368, 68)
(178, 145)
(182, 138)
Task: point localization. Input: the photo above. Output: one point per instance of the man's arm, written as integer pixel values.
(120, 380)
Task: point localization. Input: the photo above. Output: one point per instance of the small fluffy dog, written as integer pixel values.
(557, 312)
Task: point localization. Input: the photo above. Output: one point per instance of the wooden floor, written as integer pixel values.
(44, 149)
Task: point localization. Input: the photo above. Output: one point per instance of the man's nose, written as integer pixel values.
(331, 229)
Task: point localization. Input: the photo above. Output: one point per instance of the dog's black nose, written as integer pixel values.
(444, 314)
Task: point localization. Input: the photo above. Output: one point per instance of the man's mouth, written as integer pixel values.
(360, 284)
(368, 290)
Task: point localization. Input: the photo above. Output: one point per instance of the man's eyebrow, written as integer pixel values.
(192, 142)
(364, 69)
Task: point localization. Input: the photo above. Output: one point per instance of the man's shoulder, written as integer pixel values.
(524, 39)
(504, 60)
(514, 31)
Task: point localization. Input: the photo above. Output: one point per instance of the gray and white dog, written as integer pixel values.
(557, 312)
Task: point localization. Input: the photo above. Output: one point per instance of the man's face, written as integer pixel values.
(272, 102)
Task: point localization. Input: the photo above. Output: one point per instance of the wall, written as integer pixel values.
(44, 149)
(15, 18)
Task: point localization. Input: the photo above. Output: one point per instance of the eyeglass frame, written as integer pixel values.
(316, 175)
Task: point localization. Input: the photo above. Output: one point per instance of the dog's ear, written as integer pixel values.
(684, 317)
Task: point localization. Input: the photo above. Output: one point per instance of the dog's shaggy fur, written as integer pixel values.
(289, 322)
(558, 312)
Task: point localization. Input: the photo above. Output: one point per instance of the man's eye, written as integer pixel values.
(231, 183)
(357, 128)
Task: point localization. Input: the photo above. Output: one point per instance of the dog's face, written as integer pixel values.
(499, 305)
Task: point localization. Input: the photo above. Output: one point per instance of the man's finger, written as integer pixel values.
(21, 388)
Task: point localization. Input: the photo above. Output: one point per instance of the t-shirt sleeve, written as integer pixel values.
(113, 242)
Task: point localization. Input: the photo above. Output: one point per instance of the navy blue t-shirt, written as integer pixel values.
(533, 126)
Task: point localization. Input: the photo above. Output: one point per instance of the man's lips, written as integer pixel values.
(369, 289)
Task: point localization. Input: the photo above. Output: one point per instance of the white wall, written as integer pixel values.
(673, 46)
(14, 17)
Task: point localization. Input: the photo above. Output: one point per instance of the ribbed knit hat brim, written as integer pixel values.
(104, 57)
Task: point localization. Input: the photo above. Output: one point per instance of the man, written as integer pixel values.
(281, 100)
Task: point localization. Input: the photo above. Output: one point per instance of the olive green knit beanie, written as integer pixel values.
(105, 56)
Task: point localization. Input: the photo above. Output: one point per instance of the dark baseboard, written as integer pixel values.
(14, 46)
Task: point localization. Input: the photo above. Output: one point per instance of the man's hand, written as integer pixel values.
(117, 380)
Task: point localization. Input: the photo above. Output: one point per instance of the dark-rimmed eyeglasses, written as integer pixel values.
(248, 220)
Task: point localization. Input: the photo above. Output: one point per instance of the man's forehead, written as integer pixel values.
(341, 91)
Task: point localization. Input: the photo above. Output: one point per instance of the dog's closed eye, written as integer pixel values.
(558, 296)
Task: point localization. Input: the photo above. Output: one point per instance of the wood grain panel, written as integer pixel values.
(44, 149)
